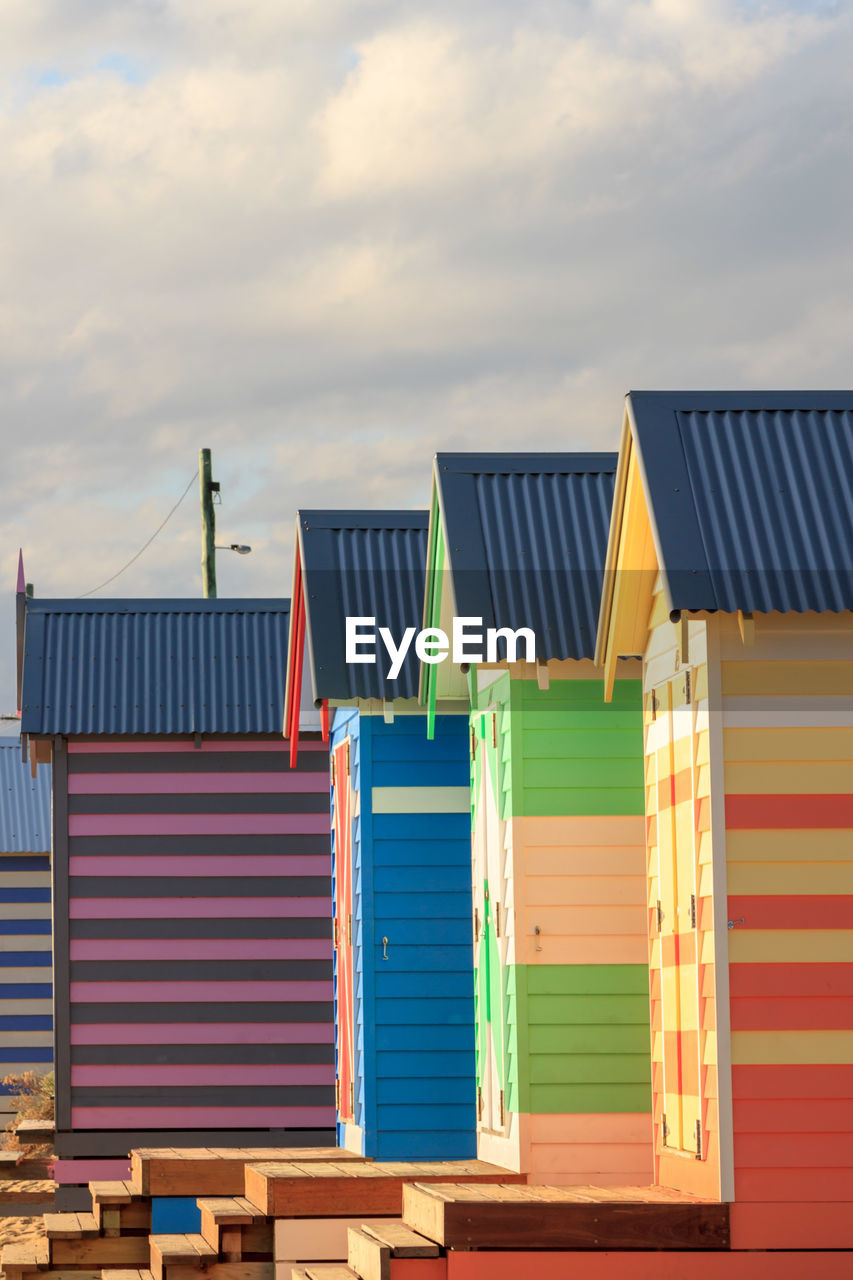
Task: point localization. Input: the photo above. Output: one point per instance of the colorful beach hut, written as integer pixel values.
(26, 967)
(518, 541)
(191, 881)
(730, 569)
(403, 965)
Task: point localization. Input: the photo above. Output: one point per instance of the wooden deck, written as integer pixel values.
(324, 1190)
(215, 1171)
(481, 1216)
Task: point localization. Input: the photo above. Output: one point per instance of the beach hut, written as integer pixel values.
(191, 881)
(518, 541)
(26, 973)
(403, 966)
(730, 569)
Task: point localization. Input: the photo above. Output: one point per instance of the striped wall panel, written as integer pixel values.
(562, 955)
(414, 1033)
(197, 972)
(788, 762)
(26, 975)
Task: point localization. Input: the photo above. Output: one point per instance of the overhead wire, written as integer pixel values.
(133, 559)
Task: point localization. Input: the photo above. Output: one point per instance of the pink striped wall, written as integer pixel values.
(197, 824)
(202, 1033)
(200, 1117)
(203, 865)
(195, 908)
(201, 949)
(71, 1171)
(183, 746)
(146, 784)
(202, 992)
(247, 1073)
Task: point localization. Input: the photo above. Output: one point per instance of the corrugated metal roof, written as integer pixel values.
(154, 666)
(526, 541)
(751, 496)
(361, 564)
(25, 823)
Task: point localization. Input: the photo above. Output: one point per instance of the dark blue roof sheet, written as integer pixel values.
(25, 824)
(361, 564)
(526, 541)
(751, 497)
(154, 666)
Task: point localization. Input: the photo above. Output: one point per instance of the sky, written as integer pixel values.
(326, 238)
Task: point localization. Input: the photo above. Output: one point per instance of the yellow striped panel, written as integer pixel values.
(780, 1048)
(790, 946)
(790, 877)
(788, 744)
(788, 846)
(787, 679)
(793, 777)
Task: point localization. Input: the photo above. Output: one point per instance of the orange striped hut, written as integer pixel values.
(730, 570)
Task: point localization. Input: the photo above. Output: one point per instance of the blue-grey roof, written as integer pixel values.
(750, 496)
(24, 803)
(526, 541)
(361, 564)
(154, 666)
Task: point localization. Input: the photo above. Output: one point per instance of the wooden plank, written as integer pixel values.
(224, 1271)
(62, 1226)
(327, 1189)
(402, 1241)
(128, 1251)
(368, 1257)
(457, 1219)
(110, 1193)
(216, 1171)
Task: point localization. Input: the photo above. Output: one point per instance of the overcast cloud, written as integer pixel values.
(328, 238)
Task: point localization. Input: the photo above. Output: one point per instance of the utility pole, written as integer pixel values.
(207, 488)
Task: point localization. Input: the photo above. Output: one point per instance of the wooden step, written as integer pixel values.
(17, 1259)
(371, 1249)
(126, 1275)
(188, 1250)
(120, 1208)
(223, 1223)
(468, 1216)
(213, 1171)
(348, 1190)
(35, 1131)
(70, 1226)
(323, 1271)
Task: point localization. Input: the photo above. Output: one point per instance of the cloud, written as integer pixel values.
(329, 238)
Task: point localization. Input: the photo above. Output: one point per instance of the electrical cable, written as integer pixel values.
(133, 559)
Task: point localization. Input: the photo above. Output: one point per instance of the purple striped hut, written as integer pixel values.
(191, 879)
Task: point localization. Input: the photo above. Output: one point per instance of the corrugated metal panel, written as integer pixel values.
(24, 804)
(361, 564)
(150, 666)
(767, 483)
(526, 540)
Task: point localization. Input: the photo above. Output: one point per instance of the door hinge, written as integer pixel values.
(687, 688)
(332, 767)
(336, 933)
(659, 915)
(503, 1113)
(476, 924)
(693, 911)
(664, 1130)
(352, 1098)
(348, 760)
(349, 930)
(337, 1095)
(497, 919)
(479, 1103)
(698, 1139)
(473, 742)
(653, 705)
(494, 728)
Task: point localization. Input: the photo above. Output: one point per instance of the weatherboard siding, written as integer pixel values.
(563, 853)
(197, 974)
(26, 968)
(413, 1012)
(787, 704)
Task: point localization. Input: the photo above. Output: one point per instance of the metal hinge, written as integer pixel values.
(336, 933)
(502, 1106)
(659, 915)
(479, 1103)
(473, 742)
(494, 728)
(653, 705)
(349, 930)
(664, 1129)
(476, 924)
(348, 763)
(693, 911)
(687, 688)
(337, 1095)
(698, 1139)
(497, 919)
